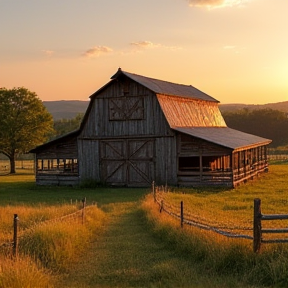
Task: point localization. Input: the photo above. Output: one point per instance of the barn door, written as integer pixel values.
(127, 162)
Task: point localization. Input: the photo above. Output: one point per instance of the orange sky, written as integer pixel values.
(233, 50)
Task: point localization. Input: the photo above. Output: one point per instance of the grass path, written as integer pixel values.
(126, 254)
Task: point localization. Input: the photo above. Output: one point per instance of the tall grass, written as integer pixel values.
(53, 245)
(24, 273)
(216, 254)
(57, 244)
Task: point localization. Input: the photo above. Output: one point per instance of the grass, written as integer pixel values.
(133, 245)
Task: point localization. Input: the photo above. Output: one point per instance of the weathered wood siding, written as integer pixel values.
(66, 148)
(126, 139)
(135, 113)
(89, 160)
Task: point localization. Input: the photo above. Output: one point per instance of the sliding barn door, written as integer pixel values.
(127, 162)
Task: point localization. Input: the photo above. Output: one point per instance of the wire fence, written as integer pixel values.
(254, 233)
(77, 216)
(188, 218)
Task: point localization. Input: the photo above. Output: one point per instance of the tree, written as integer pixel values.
(267, 123)
(64, 126)
(24, 122)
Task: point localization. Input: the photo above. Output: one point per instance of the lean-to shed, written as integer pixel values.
(137, 130)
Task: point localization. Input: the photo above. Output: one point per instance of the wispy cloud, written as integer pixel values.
(217, 3)
(151, 45)
(144, 44)
(96, 51)
(48, 52)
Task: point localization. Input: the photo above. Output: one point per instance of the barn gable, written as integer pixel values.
(138, 129)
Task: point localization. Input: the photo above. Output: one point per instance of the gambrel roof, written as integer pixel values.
(166, 88)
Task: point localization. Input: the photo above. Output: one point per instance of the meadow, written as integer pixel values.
(127, 242)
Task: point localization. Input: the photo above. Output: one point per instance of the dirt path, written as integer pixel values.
(127, 255)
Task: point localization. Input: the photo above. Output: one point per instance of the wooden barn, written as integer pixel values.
(137, 130)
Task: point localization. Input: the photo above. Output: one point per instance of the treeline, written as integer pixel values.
(65, 126)
(267, 123)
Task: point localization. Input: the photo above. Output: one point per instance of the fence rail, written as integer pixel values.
(227, 231)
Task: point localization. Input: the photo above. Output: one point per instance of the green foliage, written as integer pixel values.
(267, 123)
(24, 122)
(64, 126)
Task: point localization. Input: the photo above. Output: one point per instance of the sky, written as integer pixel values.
(234, 50)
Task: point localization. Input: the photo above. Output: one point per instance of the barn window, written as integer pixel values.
(189, 163)
(126, 108)
(57, 166)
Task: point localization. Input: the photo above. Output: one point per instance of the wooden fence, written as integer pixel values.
(257, 229)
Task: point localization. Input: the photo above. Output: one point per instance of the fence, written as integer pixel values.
(242, 231)
(258, 230)
(16, 235)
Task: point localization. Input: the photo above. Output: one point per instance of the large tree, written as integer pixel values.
(24, 122)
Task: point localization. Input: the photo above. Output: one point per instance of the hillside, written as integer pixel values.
(67, 109)
(281, 106)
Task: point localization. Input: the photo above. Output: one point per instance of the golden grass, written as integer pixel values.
(29, 217)
(24, 273)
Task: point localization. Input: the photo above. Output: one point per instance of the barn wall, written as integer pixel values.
(166, 161)
(89, 160)
(147, 118)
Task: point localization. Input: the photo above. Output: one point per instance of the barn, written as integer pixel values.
(137, 130)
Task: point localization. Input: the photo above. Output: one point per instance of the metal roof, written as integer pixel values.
(167, 88)
(183, 112)
(224, 136)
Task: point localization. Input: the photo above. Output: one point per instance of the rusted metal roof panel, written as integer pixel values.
(167, 88)
(187, 112)
(225, 136)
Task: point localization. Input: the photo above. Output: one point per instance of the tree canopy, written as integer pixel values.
(24, 122)
(267, 123)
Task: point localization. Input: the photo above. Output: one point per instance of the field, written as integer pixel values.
(126, 242)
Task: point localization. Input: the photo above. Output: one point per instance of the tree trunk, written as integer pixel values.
(12, 164)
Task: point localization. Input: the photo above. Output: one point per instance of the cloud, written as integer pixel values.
(48, 52)
(216, 3)
(150, 45)
(145, 44)
(96, 51)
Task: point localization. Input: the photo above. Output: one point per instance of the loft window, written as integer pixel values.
(126, 108)
(189, 163)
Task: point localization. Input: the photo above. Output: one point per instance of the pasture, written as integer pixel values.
(127, 242)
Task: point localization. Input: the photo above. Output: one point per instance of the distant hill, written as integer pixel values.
(67, 109)
(281, 106)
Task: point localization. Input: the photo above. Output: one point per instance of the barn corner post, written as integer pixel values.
(257, 234)
(15, 236)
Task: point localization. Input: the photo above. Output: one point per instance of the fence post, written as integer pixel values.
(161, 206)
(181, 213)
(153, 191)
(257, 234)
(15, 236)
(83, 209)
